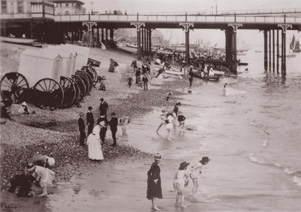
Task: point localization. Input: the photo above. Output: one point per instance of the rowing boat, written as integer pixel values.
(23, 41)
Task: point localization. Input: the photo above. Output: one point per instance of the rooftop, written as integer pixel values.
(67, 1)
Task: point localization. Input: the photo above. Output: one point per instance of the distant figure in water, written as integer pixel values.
(225, 89)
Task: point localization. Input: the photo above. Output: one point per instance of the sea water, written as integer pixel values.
(252, 135)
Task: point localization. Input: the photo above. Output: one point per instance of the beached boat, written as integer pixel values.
(216, 77)
(23, 41)
(174, 72)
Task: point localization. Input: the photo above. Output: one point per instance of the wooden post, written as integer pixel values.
(270, 51)
(273, 50)
(265, 34)
(277, 56)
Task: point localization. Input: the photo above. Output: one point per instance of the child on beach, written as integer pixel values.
(163, 118)
(181, 120)
(43, 175)
(124, 121)
(196, 171)
(169, 124)
(130, 81)
(180, 182)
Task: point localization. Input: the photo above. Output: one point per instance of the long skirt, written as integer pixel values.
(94, 148)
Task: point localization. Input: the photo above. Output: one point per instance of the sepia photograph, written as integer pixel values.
(150, 105)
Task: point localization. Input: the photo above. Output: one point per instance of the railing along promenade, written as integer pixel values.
(179, 18)
(293, 16)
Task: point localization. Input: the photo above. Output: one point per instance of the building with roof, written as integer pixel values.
(68, 7)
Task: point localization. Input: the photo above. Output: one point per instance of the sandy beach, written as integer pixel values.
(238, 132)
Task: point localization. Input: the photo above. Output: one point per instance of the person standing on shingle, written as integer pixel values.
(103, 107)
(90, 120)
(113, 126)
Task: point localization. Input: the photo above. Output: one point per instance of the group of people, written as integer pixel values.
(180, 180)
(143, 71)
(169, 119)
(96, 135)
(37, 172)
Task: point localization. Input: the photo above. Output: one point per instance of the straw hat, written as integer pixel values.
(157, 156)
(183, 165)
(205, 160)
(30, 167)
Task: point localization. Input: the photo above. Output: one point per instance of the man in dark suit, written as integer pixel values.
(103, 107)
(81, 127)
(113, 126)
(90, 120)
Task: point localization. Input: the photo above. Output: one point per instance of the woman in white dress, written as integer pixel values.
(94, 147)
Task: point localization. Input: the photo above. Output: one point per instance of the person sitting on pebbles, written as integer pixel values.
(43, 175)
(24, 109)
(43, 160)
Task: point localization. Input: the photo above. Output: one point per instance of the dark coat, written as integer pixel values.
(113, 124)
(90, 118)
(103, 106)
(154, 189)
(81, 124)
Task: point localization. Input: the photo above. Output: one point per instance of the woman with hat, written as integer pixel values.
(180, 182)
(154, 189)
(43, 175)
(94, 147)
(196, 171)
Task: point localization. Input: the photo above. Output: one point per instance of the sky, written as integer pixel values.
(182, 6)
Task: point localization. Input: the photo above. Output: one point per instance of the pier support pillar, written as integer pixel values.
(265, 35)
(142, 41)
(270, 51)
(97, 37)
(138, 25)
(149, 41)
(277, 54)
(187, 27)
(234, 46)
(111, 34)
(102, 35)
(273, 50)
(107, 37)
(284, 27)
(228, 35)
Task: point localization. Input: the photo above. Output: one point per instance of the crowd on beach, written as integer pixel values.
(93, 132)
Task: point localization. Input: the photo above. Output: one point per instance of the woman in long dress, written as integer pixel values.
(94, 147)
(154, 189)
